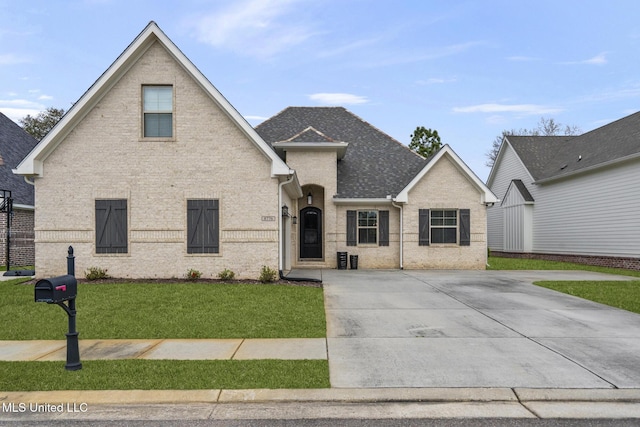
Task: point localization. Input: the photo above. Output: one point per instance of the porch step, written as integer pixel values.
(310, 265)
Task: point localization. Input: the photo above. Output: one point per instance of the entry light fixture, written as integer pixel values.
(295, 220)
(285, 210)
(309, 198)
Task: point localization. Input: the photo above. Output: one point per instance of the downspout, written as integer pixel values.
(281, 220)
(393, 203)
(26, 179)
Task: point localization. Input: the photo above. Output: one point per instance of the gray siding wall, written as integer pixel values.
(592, 214)
(509, 168)
(518, 222)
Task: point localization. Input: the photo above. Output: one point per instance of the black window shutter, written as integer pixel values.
(423, 226)
(383, 228)
(203, 221)
(465, 230)
(111, 226)
(352, 228)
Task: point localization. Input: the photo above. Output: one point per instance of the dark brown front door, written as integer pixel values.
(311, 233)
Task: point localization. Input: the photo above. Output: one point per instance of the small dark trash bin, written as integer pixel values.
(353, 261)
(342, 260)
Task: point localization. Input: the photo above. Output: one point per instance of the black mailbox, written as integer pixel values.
(56, 289)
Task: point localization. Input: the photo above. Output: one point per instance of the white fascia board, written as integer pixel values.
(487, 195)
(588, 169)
(105, 82)
(278, 166)
(293, 189)
(32, 164)
(370, 201)
(497, 160)
(339, 147)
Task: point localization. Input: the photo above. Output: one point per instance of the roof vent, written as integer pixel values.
(579, 157)
(563, 166)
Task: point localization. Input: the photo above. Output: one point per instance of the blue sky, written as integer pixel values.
(469, 69)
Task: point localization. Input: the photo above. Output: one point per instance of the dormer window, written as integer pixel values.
(157, 111)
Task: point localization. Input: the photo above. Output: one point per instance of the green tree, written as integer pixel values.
(546, 127)
(425, 141)
(39, 126)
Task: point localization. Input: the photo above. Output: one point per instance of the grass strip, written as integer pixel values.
(181, 310)
(165, 375)
(500, 263)
(620, 294)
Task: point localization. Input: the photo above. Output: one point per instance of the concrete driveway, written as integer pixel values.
(475, 329)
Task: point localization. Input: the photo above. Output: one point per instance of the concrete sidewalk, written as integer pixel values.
(174, 349)
(333, 403)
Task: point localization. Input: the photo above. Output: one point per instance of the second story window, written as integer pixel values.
(158, 111)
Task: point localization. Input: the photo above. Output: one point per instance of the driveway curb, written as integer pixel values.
(366, 395)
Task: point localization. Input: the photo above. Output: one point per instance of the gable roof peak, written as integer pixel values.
(32, 165)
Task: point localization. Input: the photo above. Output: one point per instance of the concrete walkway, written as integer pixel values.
(173, 349)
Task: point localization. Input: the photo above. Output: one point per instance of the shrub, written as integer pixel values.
(96, 273)
(193, 274)
(226, 274)
(267, 275)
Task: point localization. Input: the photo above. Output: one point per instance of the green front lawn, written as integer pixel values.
(499, 263)
(165, 375)
(621, 294)
(180, 310)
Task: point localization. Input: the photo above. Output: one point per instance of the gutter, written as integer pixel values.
(393, 203)
(290, 179)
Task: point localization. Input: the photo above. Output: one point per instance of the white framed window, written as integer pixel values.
(157, 108)
(367, 227)
(444, 226)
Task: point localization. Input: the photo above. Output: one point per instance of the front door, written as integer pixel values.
(311, 233)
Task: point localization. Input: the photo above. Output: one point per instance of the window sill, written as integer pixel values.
(203, 255)
(96, 254)
(152, 139)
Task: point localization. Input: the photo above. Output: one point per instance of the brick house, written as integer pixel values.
(153, 172)
(15, 144)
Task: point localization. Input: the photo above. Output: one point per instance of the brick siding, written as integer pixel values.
(600, 261)
(22, 250)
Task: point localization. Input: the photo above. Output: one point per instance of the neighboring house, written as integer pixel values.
(572, 198)
(15, 144)
(152, 172)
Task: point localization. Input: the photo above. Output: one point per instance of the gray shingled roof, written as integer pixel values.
(15, 144)
(526, 195)
(375, 164)
(553, 156)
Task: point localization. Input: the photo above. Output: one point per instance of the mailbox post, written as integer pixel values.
(57, 290)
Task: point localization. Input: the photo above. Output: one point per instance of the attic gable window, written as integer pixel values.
(157, 111)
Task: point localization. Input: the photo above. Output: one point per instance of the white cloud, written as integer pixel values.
(254, 27)
(16, 109)
(600, 59)
(519, 58)
(527, 109)
(338, 98)
(13, 59)
(435, 81)
(255, 118)
(45, 98)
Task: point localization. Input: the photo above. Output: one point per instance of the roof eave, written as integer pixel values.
(339, 147)
(362, 201)
(487, 195)
(105, 82)
(588, 169)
